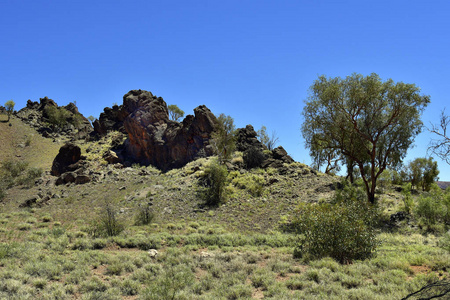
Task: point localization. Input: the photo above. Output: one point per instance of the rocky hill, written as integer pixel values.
(139, 133)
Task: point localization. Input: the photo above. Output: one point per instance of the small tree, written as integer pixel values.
(224, 138)
(175, 113)
(9, 106)
(265, 139)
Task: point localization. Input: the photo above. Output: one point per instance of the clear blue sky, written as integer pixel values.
(252, 60)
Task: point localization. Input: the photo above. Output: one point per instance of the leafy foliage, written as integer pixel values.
(343, 230)
(370, 122)
(434, 207)
(175, 113)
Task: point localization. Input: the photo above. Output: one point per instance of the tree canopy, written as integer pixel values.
(369, 122)
(175, 113)
(422, 172)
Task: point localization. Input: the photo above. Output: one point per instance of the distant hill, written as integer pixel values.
(443, 184)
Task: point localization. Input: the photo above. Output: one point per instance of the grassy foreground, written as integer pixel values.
(42, 259)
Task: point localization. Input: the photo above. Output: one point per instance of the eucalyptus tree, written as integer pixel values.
(369, 122)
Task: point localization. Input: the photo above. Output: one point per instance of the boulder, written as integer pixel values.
(66, 160)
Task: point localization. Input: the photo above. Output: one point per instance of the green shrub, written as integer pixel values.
(107, 223)
(57, 116)
(213, 183)
(433, 207)
(253, 183)
(14, 168)
(408, 201)
(344, 230)
(144, 215)
(2, 194)
(253, 158)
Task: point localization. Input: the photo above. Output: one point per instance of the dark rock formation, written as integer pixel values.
(111, 119)
(246, 139)
(156, 140)
(36, 114)
(256, 153)
(68, 156)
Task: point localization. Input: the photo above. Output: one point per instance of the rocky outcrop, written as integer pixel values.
(256, 154)
(156, 140)
(111, 119)
(39, 116)
(247, 138)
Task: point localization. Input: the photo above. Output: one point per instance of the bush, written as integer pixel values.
(107, 224)
(213, 183)
(253, 183)
(144, 214)
(253, 158)
(29, 177)
(344, 230)
(408, 201)
(14, 168)
(434, 207)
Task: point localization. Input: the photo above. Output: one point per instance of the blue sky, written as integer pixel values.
(252, 60)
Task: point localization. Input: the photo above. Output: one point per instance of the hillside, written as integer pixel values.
(51, 248)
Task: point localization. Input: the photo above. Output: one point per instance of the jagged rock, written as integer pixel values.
(280, 154)
(156, 140)
(111, 119)
(68, 155)
(246, 139)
